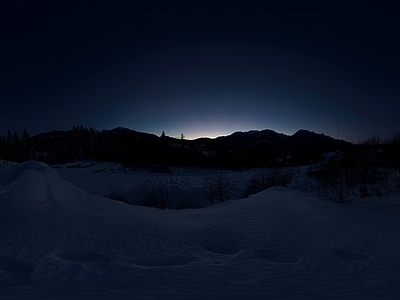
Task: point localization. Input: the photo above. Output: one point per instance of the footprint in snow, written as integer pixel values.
(230, 247)
(168, 261)
(275, 256)
(84, 257)
(350, 255)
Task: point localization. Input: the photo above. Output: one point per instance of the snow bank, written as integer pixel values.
(58, 241)
(186, 187)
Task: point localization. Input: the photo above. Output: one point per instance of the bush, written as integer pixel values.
(394, 175)
(342, 174)
(160, 194)
(268, 178)
(334, 179)
(217, 186)
(186, 200)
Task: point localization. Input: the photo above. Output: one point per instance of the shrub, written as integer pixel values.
(394, 176)
(268, 178)
(339, 177)
(160, 194)
(186, 200)
(217, 186)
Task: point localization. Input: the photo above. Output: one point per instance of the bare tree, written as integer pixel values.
(333, 180)
(268, 178)
(217, 186)
(186, 200)
(160, 194)
(394, 176)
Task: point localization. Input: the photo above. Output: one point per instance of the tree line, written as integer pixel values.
(81, 143)
(15, 147)
(160, 153)
(369, 168)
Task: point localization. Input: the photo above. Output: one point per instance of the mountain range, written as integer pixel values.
(240, 149)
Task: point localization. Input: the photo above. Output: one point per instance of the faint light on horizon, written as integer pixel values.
(191, 135)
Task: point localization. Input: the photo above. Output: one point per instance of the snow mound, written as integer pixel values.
(36, 183)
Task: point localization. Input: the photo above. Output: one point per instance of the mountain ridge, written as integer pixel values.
(254, 148)
(253, 132)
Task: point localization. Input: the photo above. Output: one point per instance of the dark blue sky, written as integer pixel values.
(206, 68)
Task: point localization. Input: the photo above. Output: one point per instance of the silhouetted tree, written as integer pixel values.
(217, 186)
(160, 194)
(268, 178)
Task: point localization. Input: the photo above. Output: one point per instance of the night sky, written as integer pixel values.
(204, 68)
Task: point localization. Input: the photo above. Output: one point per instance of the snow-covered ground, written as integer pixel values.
(60, 238)
(183, 183)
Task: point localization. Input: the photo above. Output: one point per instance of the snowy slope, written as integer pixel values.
(59, 241)
(185, 184)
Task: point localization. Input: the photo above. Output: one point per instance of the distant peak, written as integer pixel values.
(304, 131)
(121, 129)
(308, 133)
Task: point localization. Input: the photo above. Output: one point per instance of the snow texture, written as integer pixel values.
(60, 241)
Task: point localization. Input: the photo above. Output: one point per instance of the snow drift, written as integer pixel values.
(59, 241)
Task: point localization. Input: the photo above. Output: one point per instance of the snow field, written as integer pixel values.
(60, 241)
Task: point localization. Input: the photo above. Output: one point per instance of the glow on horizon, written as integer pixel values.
(192, 135)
